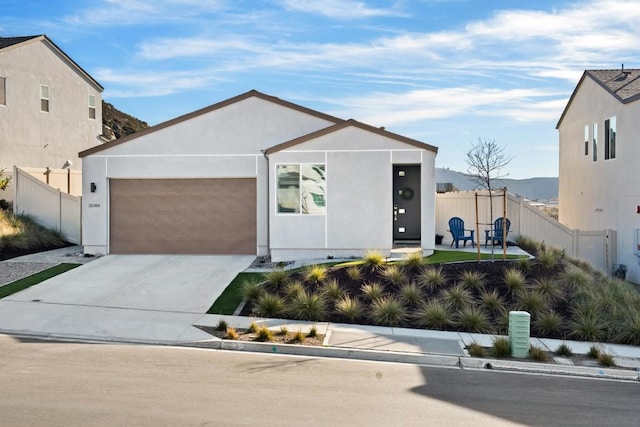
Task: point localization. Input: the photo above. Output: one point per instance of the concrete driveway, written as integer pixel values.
(152, 298)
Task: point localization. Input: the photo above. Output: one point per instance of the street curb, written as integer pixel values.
(448, 361)
(332, 352)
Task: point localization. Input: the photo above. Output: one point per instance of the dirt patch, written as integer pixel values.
(277, 338)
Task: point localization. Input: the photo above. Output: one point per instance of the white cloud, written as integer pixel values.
(338, 9)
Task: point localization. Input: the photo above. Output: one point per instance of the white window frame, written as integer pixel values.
(92, 108)
(3, 90)
(44, 97)
(300, 210)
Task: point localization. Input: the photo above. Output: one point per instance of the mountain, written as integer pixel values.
(532, 188)
(116, 124)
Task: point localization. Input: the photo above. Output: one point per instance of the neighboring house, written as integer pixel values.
(258, 175)
(50, 108)
(599, 156)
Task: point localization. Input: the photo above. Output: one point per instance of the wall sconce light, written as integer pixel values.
(93, 187)
(67, 164)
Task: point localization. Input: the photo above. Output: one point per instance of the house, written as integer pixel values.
(258, 175)
(50, 108)
(599, 154)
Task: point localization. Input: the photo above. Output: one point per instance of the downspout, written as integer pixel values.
(266, 157)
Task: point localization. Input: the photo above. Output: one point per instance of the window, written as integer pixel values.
(586, 140)
(44, 98)
(594, 130)
(92, 106)
(301, 188)
(3, 91)
(610, 138)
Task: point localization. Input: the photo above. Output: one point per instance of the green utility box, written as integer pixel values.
(519, 330)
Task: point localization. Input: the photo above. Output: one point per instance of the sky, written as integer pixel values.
(445, 72)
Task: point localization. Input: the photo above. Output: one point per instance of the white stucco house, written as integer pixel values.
(599, 156)
(255, 174)
(50, 108)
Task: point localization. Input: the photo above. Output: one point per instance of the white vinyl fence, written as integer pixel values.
(594, 246)
(47, 205)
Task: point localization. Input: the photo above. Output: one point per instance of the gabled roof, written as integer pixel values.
(622, 84)
(15, 42)
(342, 125)
(251, 93)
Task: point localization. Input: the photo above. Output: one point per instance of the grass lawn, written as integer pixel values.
(34, 279)
(231, 298)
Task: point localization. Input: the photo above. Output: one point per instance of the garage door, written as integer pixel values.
(183, 216)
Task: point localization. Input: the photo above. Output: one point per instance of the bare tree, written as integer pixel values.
(485, 161)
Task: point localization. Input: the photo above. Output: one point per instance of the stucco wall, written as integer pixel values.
(602, 194)
(30, 137)
(224, 143)
(359, 213)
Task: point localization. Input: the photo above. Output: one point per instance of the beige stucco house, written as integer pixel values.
(255, 174)
(599, 154)
(50, 108)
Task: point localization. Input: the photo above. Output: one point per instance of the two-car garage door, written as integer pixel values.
(182, 216)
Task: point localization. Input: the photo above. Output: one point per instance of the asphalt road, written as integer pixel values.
(47, 383)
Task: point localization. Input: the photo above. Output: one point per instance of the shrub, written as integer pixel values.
(308, 306)
(373, 291)
(251, 290)
(491, 301)
(549, 288)
(350, 308)
(500, 348)
(457, 297)
(476, 350)
(393, 274)
(629, 329)
(221, 326)
(276, 277)
(414, 259)
(374, 259)
(354, 273)
(538, 354)
(564, 350)
(607, 360)
(433, 315)
(514, 280)
(293, 289)
(587, 328)
(533, 302)
(332, 290)
(432, 278)
(473, 319)
(298, 337)
(315, 273)
(526, 243)
(264, 334)
(524, 264)
(549, 323)
(574, 278)
(231, 334)
(548, 258)
(388, 311)
(253, 327)
(269, 305)
(313, 332)
(594, 352)
(410, 295)
(472, 279)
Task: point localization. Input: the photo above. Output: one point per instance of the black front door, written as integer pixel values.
(406, 202)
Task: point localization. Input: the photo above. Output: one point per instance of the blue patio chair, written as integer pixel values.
(498, 232)
(459, 233)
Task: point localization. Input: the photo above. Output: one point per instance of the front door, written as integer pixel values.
(406, 203)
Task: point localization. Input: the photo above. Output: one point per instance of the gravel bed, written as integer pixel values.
(12, 271)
